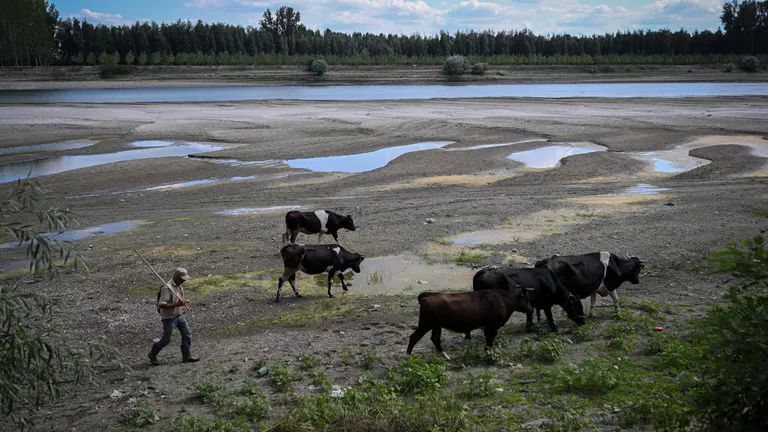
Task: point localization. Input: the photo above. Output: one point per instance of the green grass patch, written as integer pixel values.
(471, 256)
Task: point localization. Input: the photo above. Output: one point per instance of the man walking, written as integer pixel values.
(172, 307)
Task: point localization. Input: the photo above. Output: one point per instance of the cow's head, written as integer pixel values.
(347, 223)
(574, 309)
(630, 268)
(354, 262)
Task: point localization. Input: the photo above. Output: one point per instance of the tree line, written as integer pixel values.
(33, 34)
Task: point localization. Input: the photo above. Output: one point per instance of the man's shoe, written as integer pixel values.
(153, 359)
(190, 359)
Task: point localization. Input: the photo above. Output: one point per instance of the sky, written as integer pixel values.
(419, 16)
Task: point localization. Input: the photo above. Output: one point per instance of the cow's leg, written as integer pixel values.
(550, 320)
(468, 335)
(292, 281)
(336, 238)
(615, 298)
(343, 284)
(490, 336)
(320, 237)
(286, 235)
(416, 336)
(437, 333)
(592, 304)
(330, 282)
(529, 320)
(287, 275)
(294, 234)
(538, 315)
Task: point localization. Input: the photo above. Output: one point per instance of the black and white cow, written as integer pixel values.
(594, 273)
(544, 291)
(316, 259)
(317, 222)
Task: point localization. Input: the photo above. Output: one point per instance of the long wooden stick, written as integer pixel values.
(170, 288)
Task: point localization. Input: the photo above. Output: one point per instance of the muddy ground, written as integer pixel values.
(409, 209)
(164, 76)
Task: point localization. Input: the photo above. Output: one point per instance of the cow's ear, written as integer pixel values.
(349, 217)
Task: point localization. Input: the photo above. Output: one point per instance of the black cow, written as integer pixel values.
(544, 291)
(594, 273)
(317, 222)
(316, 259)
(464, 312)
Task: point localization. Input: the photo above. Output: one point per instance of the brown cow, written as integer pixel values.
(466, 311)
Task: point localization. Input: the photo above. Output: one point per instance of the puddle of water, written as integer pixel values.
(244, 211)
(680, 163)
(183, 184)
(9, 173)
(37, 148)
(408, 273)
(73, 235)
(642, 189)
(152, 143)
(362, 162)
(485, 146)
(550, 156)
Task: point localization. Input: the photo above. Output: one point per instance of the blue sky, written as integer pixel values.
(419, 16)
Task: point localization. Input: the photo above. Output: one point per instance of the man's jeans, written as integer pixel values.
(186, 336)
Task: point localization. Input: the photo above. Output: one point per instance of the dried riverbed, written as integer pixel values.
(424, 219)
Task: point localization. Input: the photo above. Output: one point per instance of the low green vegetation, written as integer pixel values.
(139, 415)
(548, 348)
(281, 378)
(471, 256)
(318, 67)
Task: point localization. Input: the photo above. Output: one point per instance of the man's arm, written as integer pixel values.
(167, 298)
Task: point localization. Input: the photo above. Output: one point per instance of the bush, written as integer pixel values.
(547, 349)
(456, 65)
(318, 67)
(282, 379)
(139, 415)
(749, 64)
(592, 376)
(479, 68)
(207, 391)
(729, 67)
(415, 376)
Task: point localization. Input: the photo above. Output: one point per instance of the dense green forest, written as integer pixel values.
(31, 33)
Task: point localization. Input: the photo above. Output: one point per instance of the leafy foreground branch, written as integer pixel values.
(35, 360)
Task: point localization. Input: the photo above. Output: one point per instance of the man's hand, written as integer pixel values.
(181, 303)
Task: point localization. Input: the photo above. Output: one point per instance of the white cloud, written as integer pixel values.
(205, 3)
(100, 15)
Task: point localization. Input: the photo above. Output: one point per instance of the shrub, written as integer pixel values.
(456, 65)
(548, 349)
(415, 376)
(734, 341)
(747, 261)
(318, 67)
(729, 67)
(479, 68)
(282, 379)
(139, 415)
(592, 376)
(590, 69)
(749, 63)
(308, 362)
(207, 391)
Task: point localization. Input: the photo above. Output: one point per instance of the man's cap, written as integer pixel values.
(181, 273)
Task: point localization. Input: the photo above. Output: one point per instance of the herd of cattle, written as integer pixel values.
(497, 292)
